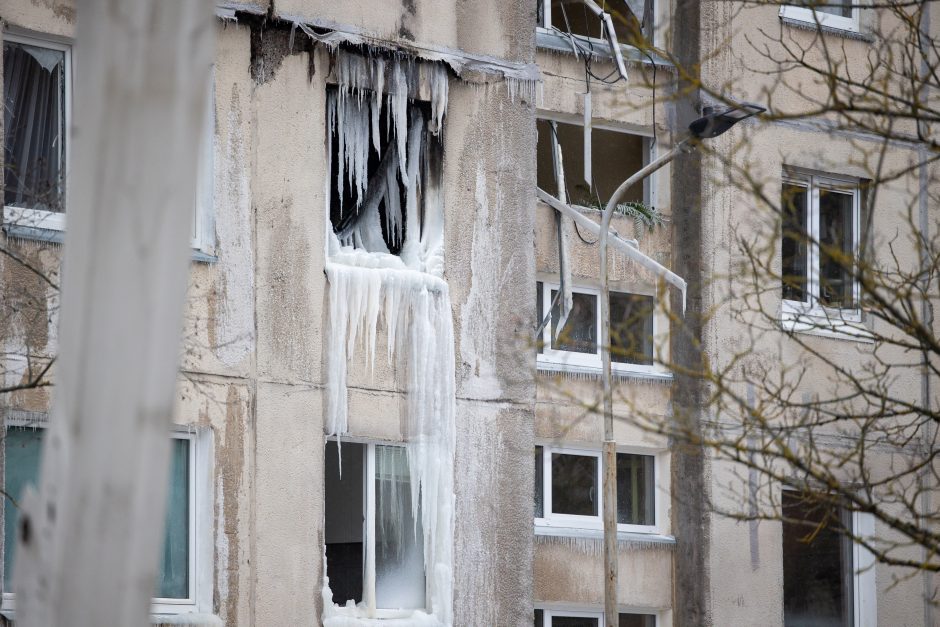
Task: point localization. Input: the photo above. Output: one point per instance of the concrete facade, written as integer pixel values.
(254, 374)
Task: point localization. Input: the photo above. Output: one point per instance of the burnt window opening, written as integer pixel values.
(573, 16)
(385, 165)
(614, 156)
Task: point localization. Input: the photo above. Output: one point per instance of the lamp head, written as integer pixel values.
(713, 123)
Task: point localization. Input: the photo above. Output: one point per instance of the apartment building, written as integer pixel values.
(388, 407)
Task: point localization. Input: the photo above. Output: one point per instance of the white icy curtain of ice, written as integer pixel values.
(365, 86)
(415, 310)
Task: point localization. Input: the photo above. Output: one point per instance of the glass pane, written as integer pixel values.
(636, 620)
(579, 334)
(635, 502)
(836, 248)
(793, 247)
(575, 621)
(843, 9)
(539, 479)
(817, 566)
(574, 484)
(173, 577)
(539, 618)
(343, 518)
(399, 539)
(20, 468)
(540, 316)
(34, 126)
(631, 329)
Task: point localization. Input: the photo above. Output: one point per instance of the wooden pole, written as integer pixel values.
(88, 542)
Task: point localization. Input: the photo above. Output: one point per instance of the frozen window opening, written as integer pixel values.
(386, 150)
(374, 538)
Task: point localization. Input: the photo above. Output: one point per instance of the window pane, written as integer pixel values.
(842, 9)
(579, 334)
(539, 479)
(637, 620)
(631, 329)
(635, 502)
(20, 468)
(575, 621)
(836, 248)
(34, 126)
(540, 315)
(539, 618)
(817, 566)
(574, 484)
(399, 539)
(794, 244)
(344, 514)
(173, 577)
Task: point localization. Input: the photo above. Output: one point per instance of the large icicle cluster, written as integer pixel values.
(366, 85)
(415, 310)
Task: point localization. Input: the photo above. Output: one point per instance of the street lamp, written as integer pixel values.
(711, 124)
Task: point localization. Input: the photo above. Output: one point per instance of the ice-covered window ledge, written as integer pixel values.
(818, 323)
(570, 371)
(628, 537)
(193, 618)
(557, 41)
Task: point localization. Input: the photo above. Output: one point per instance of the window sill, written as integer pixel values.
(551, 39)
(596, 372)
(190, 618)
(825, 326)
(595, 534)
(823, 28)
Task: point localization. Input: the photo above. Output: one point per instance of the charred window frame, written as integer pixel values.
(377, 203)
(828, 579)
(549, 617)
(374, 539)
(820, 225)
(616, 153)
(840, 15)
(634, 330)
(568, 490)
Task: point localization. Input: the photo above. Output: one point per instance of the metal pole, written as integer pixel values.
(610, 446)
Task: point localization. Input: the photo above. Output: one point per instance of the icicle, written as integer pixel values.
(398, 108)
(378, 82)
(439, 82)
(393, 217)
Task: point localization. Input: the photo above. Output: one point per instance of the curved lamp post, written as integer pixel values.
(712, 124)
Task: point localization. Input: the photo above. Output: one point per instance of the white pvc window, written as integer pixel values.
(569, 494)
(179, 581)
(373, 535)
(37, 94)
(546, 617)
(828, 580)
(839, 15)
(633, 330)
(819, 244)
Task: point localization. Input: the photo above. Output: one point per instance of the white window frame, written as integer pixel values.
(864, 581)
(201, 547)
(812, 316)
(368, 531)
(545, 26)
(550, 519)
(549, 613)
(593, 361)
(38, 218)
(811, 15)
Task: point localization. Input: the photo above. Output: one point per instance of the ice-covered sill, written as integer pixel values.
(595, 534)
(595, 372)
(824, 326)
(341, 616)
(546, 39)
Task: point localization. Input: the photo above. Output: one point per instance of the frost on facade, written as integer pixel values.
(384, 268)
